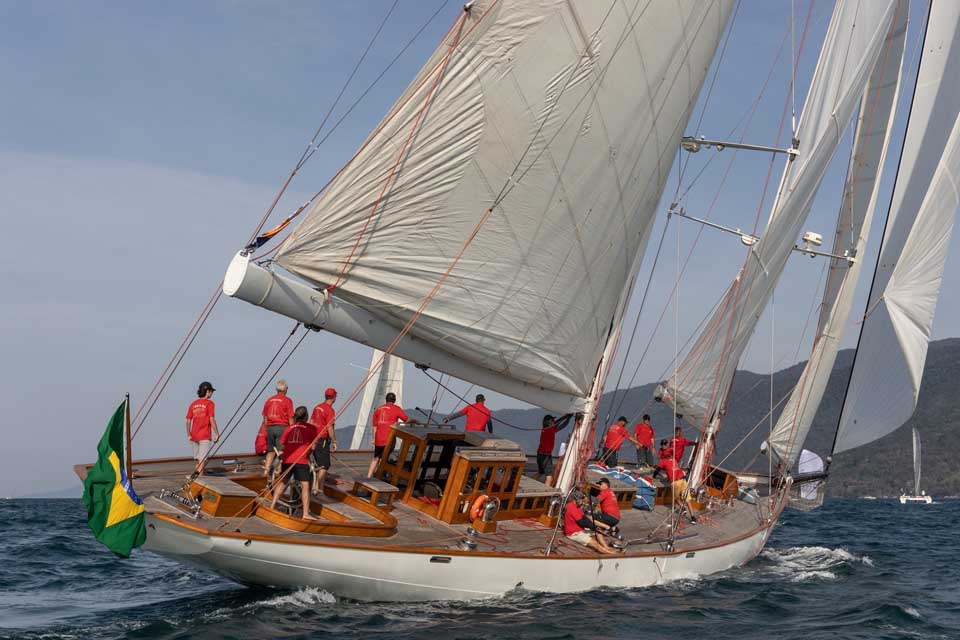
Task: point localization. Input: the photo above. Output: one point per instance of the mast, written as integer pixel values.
(916, 462)
(388, 379)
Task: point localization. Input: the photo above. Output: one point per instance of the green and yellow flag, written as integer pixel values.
(114, 511)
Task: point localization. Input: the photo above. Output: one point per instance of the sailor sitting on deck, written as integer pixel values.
(670, 468)
(298, 442)
(384, 418)
(609, 511)
(575, 523)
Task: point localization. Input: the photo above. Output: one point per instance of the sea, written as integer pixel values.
(852, 569)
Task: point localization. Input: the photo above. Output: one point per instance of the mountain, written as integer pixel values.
(881, 468)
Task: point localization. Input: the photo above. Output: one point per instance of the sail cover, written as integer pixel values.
(872, 137)
(892, 351)
(855, 38)
(565, 118)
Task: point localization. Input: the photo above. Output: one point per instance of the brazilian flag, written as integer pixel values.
(114, 511)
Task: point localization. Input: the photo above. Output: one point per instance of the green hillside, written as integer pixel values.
(881, 468)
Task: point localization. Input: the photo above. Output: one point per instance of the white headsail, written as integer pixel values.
(385, 377)
(564, 117)
(872, 137)
(886, 376)
(854, 42)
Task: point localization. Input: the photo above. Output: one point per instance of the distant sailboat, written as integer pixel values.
(918, 495)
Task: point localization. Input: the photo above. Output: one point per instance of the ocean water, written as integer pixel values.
(853, 569)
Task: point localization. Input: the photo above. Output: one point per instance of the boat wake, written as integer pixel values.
(305, 598)
(799, 564)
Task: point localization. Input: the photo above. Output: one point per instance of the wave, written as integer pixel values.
(799, 564)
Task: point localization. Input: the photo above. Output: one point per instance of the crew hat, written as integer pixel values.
(206, 386)
(330, 392)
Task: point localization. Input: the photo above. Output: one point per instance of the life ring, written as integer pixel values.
(477, 509)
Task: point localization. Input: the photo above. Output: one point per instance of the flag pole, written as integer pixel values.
(126, 431)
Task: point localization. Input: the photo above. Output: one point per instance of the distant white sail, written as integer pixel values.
(576, 109)
(916, 462)
(855, 38)
(871, 140)
(387, 379)
(810, 463)
(886, 376)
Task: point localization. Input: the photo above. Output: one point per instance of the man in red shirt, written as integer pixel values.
(478, 416)
(200, 423)
(575, 522)
(609, 513)
(277, 416)
(670, 468)
(324, 419)
(616, 434)
(678, 443)
(384, 417)
(548, 439)
(643, 432)
(297, 441)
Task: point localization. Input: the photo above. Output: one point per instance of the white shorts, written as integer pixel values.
(201, 449)
(581, 537)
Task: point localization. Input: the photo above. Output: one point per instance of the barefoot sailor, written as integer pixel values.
(297, 441)
(200, 424)
(384, 418)
(277, 416)
(324, 419)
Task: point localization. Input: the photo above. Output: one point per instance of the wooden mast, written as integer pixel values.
(126, 433)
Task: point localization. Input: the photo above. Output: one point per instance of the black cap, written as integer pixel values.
(204, 387)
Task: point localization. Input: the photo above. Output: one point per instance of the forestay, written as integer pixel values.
(871, 140)
(854, 41)
(892, 351)
(564, 117)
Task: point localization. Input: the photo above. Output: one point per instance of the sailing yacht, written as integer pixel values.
(918, 495)
(492, 227)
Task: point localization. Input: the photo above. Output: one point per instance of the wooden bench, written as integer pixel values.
(376, 488)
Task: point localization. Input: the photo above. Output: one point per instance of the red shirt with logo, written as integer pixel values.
(278, 409)
(616, 434)
(672, 468)
(384, 417)
(199, 413)
(548, 438)
(296, 441)
(643, 432)
(608, 502)
(477, 416)
(570, 517)
(677, 445)
(323, 414)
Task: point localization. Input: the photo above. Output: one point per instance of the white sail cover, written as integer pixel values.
(886, 376)
(853, 44)
(563, 116)
(871, 140)
(916, 462)
(386, 378)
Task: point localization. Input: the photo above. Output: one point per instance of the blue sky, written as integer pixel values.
(141, 142)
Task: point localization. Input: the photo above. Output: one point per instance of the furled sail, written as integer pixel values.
(871, 139)
(916, 462)
(564, 117)
(886, 375)
(385, 377)
(854, 42)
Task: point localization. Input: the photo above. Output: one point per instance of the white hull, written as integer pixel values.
(905, 499)
(387, 575)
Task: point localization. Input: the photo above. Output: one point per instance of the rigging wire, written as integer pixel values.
(440, 384)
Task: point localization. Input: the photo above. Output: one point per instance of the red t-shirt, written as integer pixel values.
(548, 438)
(616, 434)
(570, 517)
(199, 413)
(384, 417)
(278, 409)
(672, 468)
(296, 441)
(608, 502)
(643, 432)
(677, 445)
(477, 416)
(323, 414)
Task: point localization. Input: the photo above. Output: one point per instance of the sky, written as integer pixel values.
(141, 142)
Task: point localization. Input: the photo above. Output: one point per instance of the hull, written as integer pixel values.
(388, 575)
(905, 499)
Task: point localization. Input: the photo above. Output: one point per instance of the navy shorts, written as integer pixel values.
(300, 473)
(378, 450)
(321, 454)
(545, 464)
(274, 432)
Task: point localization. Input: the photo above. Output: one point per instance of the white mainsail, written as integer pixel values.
(385, 377)
(916, 462)
(871, 140)
(565, 118)
(854, 41)
(888, 369)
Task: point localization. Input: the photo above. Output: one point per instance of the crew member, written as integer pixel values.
(277, 416)
(670, 468)
(384, 417)
(478, 416)
(616, 434)
(200, 423)
(575, 522)
(678, 443)
(297, 441)
(643, 432)
(664, 450)
(548, 438)
(324, 419)
(609, 513)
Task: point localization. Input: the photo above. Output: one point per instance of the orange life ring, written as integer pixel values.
(477, 509)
